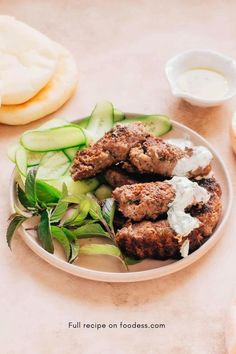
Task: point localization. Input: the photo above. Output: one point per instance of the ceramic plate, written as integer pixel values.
(106, 268)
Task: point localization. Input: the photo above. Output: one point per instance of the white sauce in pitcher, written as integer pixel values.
(203, 83)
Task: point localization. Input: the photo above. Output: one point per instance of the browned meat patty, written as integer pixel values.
(112, 148)
(144, 200)
(156, 156)
(158, 240)
(117, 178)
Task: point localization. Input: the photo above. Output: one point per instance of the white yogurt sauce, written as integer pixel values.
(181, 143)
(201, 157)
(203, 83)
(184, 249)
(187, 193)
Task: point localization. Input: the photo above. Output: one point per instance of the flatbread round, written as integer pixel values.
(27, 61)
(58, 90)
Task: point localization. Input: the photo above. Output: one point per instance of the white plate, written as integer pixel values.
(105, 268)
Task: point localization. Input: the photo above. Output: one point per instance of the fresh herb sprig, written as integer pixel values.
(67, 219)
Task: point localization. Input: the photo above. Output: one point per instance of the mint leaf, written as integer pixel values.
(15, 223)
(95, 209)
(47, 194)
(30, 186)
(108, 211)
(60, 236)
(84, 208)
(44, 232)
(69, 234)
(90, 230)
(73, 199)
(74, 251)
(23, 199)
(61, 207)
(70, 216)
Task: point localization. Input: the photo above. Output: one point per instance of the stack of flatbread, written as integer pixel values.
(37, 75)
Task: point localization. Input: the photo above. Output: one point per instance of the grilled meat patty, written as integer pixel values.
(138, 150)
(148, 239)
(156, 156)
(117, 178)
(144, 200)
(110, 149)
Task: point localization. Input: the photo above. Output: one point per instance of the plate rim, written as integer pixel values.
(120, 277)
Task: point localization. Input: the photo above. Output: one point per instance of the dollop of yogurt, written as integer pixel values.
(201, 157)
(187, 193)
(181, 143)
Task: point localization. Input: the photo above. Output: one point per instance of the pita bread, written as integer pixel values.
(27, 61)
(58, 90)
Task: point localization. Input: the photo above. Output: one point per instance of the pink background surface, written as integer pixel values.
(121, 48)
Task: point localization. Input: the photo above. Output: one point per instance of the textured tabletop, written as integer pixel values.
(121, 48)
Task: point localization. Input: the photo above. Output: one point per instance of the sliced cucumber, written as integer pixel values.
(21, 161)
(118, 115)
(11, 152)
(103, 192)
(53, 138)
(34, 158)
(78, 187)
(71, 152)
(53, 123)
(101, 120)
(53, 165)
(155, 124)
(83, 123)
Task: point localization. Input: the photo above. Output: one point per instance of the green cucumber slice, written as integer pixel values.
(53, 123)
(103, 192)
(101, 120)
(83, 123)
(53, 165)
(11, 152)
(53, 139)
(75, 188)
(71, 152)
(118, 115)
(155, 124)
(21, 161)
(34, 158)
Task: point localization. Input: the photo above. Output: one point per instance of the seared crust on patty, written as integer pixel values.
(138, 150)
(144, 200)
(110, 149)
(156, 156)
(158, 240)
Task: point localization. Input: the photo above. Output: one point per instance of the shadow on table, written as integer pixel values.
(93, 292)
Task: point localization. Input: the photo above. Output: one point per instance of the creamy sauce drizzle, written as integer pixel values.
(201, 157)
(203, 83)
(187, 193)
(181, 143)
